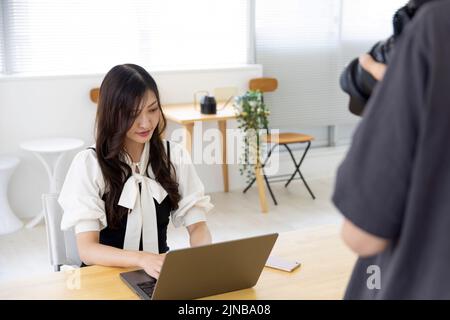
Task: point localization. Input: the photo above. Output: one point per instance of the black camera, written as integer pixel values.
(357, 82)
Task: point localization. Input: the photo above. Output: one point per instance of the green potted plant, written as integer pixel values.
(252, 120)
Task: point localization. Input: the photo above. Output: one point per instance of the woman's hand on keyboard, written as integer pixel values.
(151, 263)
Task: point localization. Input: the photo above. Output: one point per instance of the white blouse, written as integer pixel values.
(84, 186)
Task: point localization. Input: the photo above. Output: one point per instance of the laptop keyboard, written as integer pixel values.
(148, 287)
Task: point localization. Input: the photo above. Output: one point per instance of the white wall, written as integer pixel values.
(41, 107)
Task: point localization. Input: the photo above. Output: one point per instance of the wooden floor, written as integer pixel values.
(235, 215)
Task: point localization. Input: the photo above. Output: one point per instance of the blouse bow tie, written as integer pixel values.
(143, 212)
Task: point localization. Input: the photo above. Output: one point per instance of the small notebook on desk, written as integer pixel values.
(279, 263)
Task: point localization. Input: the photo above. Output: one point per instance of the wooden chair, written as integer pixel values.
(93, 94)
(282, 139)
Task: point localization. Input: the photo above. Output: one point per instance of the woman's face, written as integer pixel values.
(147, 120)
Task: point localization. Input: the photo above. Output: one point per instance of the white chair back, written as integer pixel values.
(62, 245)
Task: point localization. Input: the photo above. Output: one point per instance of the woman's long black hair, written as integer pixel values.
(121, 94)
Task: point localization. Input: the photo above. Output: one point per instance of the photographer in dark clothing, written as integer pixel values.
(394, 185)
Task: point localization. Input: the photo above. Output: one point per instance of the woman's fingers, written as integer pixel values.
(153, 264)
(162, 257)
(153, 272)
(375, 68)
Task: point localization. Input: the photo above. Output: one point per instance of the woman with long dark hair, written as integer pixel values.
(120, 194)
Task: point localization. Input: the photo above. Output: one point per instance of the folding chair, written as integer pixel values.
(281, 139)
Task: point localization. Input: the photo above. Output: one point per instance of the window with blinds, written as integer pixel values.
(2, 42)
(82, 36)
(306, 44)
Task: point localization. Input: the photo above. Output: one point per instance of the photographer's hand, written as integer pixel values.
(375, 68)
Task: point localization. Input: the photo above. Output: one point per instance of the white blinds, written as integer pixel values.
(78, 36)
(368, 20)
(306, 44)
(201, 32)
(2, 42)
(364, 23)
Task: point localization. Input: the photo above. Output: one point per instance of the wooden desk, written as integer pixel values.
(186, 115)
(325, 270)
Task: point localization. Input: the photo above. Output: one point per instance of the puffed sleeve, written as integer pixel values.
(194, 204)
(81, 195)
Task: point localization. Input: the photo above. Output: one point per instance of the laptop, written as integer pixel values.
(205, 270)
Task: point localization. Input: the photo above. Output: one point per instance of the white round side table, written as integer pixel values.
(50, 152)
(8, 220)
